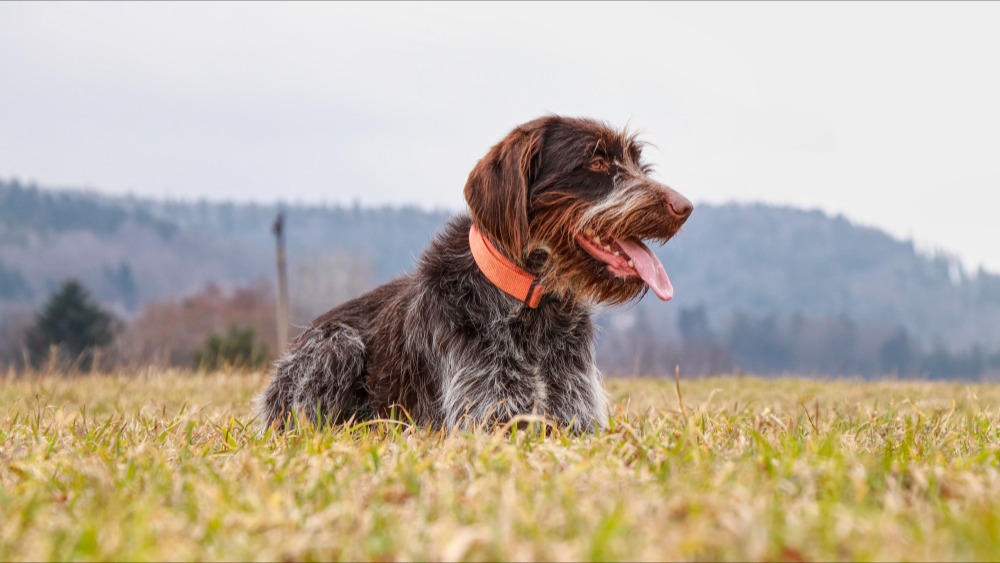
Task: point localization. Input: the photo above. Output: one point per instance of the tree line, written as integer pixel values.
(784, 344)
(215, 328)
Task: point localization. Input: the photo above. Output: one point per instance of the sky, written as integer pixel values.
(887, 113)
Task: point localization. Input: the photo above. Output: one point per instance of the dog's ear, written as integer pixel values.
(497, 189)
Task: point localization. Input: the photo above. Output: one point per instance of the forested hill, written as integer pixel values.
(757, 259)
(764, 259)
(390, 237)
(26, 211)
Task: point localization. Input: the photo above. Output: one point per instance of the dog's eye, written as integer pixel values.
(598, 164)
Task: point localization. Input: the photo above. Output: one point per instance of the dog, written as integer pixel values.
(497, 319)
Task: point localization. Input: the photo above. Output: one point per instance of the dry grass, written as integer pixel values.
(163, 466)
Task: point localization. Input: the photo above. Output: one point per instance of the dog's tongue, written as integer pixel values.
(649, 267)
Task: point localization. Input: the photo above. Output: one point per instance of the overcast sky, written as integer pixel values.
(888, 113)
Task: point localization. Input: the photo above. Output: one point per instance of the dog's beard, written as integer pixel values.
(628, 259)
(603, 257)
(573, 273)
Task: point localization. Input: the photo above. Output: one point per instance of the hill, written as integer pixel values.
(778, 260)
(124, 255)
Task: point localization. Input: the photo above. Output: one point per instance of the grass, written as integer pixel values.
(165, 466)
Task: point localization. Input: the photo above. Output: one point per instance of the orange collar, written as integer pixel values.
(502, 272)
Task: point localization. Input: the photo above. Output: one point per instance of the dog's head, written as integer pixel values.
(571, 200)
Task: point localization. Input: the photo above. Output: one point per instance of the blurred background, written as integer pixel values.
(841, 156)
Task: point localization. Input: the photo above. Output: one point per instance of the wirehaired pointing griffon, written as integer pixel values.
(497, 319)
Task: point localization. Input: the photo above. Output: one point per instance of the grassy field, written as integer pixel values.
(164, 466)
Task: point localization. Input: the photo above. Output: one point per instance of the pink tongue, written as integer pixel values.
(649, 267)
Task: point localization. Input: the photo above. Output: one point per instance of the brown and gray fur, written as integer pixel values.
(450, 348)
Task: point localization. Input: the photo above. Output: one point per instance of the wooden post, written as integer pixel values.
(282, 313)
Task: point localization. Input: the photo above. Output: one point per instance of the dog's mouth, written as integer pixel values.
(628, 259)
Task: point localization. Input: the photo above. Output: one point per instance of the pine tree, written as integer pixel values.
(72, 322)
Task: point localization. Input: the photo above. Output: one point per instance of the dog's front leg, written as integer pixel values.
(577, 399)
(489, 394)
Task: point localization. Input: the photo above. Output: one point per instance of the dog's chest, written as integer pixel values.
(548, 347)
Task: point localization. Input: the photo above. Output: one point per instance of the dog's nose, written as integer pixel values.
(680, 206)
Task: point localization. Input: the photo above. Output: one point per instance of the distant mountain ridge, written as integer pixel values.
(756, 258)
(766, 259)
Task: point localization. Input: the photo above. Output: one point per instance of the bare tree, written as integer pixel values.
(169, 332)
(14, 324)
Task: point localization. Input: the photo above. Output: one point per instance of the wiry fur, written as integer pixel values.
(453, 350)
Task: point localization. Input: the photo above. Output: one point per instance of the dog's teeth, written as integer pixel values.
(607, 247)
(589, 231)
(597, 240)
(616, 253)
(631, 264)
